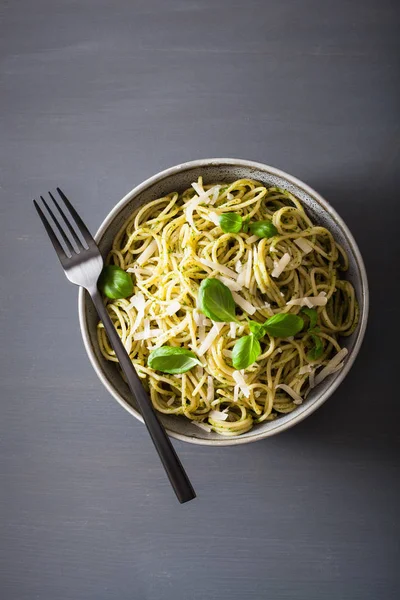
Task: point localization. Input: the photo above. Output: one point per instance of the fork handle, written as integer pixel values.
(173, 466)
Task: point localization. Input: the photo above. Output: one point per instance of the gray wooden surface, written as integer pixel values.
(96, 96)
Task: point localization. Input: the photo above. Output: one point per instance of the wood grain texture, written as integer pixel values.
(95, 97)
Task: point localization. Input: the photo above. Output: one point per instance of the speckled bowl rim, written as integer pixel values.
(303, 411)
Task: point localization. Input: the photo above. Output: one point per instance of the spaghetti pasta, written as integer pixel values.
(170, 245)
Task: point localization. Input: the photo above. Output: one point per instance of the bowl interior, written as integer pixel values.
(179, 179)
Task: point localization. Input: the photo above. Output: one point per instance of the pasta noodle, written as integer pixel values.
(173, 243)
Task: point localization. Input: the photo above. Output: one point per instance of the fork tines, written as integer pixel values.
(67, 232)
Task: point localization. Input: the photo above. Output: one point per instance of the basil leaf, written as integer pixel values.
(245, 352)
(257, 329)
(264, 229)
(245, 224)
(284, 325)
(215, 300)
(115, 283)
(318, 349)
(312, 315)
(169, 359)
(230, 222)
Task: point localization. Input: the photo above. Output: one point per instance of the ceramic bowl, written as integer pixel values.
(225, 170)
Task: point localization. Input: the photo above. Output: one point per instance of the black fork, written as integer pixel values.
(82, 264)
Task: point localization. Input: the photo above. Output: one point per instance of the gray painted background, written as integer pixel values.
(95, 97)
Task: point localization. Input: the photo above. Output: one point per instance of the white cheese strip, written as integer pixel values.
(217, 267)
(236, 393)
(244, 304)
(232, 330)
(206, 197)
(139, 302)
(309, 301)
(252, 239)
(280, 265)
(296, 398)
(214, 217)
(241, 280)
(210, 388)
(202, 426)
(311, 379)
(215, 193)
(240, 381)
(305, 369)
(189, 210)
(331, 366)
(303, 245)
(232, 285)
(173, 308)
(197, 317)
(217, 415)
(128, 344)
(147, 334)
(210, 337)
(147, 253)
(199, 372)
(230, 196)
(227, 353)
(171, 400)
(249, 267)
(238, 266)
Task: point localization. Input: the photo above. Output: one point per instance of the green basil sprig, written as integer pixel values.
(172, 360)
(245, 352)
(247, 349)
(317, 350)
(264, 229)
(284, 325)
(215, 300)
(230, 222)
(312, 315)
(115, 283)
(318, 347)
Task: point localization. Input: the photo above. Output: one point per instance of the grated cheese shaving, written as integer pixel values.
(214, 217)
(202, 426)
(286, 388)
(147, 334)
(303, 245)
(147, 253)
(309, 301)
(280, 265)
(244, 304)
(171, 400)
(305, 369)
(236, 393)
(238, 266)
(217, 415)
(217, 267)
(331, 366)
(252, 239)
(248, 269)
(139, 302)
(232, 285)
(241, 382)
(232, 330)
(210, 337)
(173, 308)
